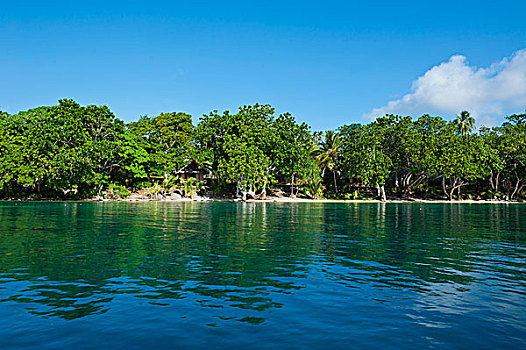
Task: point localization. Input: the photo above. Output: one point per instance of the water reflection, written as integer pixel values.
(241, 260)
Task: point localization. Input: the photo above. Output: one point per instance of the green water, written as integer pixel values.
(262, 275)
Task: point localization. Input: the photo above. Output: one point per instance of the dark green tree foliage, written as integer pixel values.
(514, 150)
(460, 160)
(429, 135)
(292, 151)
(464, 123)
(238, 147)
(386, 148)
(65, 149)
(406, 149)
(70, 151)
(327, 155)
(403, 153)
(494, 141)
(167, 140)
(251, 147)
(349, 135)
(373, 165)
(507, 160)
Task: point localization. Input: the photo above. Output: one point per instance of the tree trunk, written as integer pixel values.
(292, 187)
(453, 187)
(492, 182)
(250, 192)
(264, 191)
(517, 189)
(382, 191)
(417, 181)
(444, 187)
(452, 190)
(397, 184)
(334, 177)
(240, 193)
(406, 180)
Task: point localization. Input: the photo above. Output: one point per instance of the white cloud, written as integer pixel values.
(453, 86)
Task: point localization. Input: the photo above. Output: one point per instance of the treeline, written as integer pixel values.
(71, 151)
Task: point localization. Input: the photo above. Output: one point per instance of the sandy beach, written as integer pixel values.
(271, 199)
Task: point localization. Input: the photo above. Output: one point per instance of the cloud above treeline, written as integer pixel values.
(453, 86)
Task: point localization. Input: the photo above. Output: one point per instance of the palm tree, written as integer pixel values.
(464, 123)
(327, 154)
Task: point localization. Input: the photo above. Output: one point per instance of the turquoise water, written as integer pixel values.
(262, 276)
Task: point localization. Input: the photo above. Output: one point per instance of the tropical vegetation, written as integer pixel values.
(71, 151)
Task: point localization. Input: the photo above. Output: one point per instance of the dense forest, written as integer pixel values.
(69, 151)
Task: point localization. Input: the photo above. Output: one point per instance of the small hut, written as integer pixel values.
(195, 170)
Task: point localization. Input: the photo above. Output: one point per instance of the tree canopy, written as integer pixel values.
(73, 151)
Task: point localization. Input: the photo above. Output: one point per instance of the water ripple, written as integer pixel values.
(252, 275)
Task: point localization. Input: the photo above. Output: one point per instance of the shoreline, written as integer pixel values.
(272, 200)
(443, 201)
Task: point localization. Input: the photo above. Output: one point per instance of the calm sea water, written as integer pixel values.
(265, 275)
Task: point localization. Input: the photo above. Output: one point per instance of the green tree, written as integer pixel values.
(464, 123)
(494, 141)
(239, 147)
(54, 151)
(250, 148)
(460, 159)
(167, 139)
(401, 141)
(514, 147)
(291, 152)
(365, 156)
(327, 155)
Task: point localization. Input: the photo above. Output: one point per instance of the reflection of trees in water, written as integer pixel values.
(65, 300)
(78, 257)
(423, 247)
(227, 253)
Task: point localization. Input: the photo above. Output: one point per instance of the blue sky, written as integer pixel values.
(328, 62)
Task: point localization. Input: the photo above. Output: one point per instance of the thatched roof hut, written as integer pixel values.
(195, 170)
